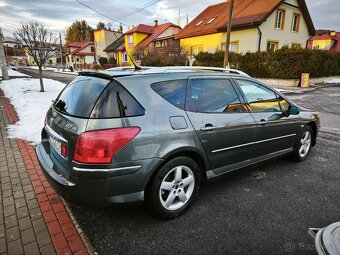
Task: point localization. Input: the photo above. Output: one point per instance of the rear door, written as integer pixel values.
(221, 121)
(276, 131)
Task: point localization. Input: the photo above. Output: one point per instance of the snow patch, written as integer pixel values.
(30, 105)
(333, 80)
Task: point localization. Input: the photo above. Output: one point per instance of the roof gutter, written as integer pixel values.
(260, 39)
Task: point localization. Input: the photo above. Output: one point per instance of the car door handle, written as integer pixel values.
(262, 122)
(208, 127)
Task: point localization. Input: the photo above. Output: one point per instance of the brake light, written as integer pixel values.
(100, 146)
(64, 150)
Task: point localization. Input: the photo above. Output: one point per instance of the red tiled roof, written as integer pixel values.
(81, 46)
(246, 14)
(156, 32)
(141, 28)
(77, 44)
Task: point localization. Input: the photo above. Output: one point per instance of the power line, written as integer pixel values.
(117, 19)
(137, 10)
(96, 11)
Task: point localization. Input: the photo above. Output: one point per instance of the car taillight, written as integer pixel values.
(64, 150)
(101, 145)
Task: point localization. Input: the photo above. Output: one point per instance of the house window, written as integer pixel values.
(130, 38)
(233, 47)
(93, 49)
(280, 19)
(211, 20)
(199, 22)
(124, 57)
(296, 45)
(272, 45)
(97, 44)
(196, 49)
(296, 22)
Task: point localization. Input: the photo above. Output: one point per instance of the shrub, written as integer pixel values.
(284, 63)
(96, 67)
(103, 61)
(112, 60)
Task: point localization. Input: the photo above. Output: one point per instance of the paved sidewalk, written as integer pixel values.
(33, 219)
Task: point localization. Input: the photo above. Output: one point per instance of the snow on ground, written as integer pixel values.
(14, 73)
(66, 71)
(333, 80)
(285, 91)
(45, 69)
(30, 104)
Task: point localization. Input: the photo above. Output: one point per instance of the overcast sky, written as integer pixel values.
(59, 14)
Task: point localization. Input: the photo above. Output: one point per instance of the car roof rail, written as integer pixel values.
(195, 68)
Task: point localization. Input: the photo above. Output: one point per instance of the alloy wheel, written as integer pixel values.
(305, 141)
(177, 187)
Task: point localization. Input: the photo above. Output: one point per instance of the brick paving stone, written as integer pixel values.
(27, 236)
(25, 223)
(33, 219)
(15, 248)
(31, 248)
(47, 250)
(3, 245)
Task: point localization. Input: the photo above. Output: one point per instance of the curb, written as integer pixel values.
(67, 236)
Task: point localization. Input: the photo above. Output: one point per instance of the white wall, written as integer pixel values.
(285, 36)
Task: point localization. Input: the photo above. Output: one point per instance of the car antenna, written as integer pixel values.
(137, 68)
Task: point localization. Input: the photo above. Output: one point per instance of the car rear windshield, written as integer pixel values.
(79, 97)
(116, 102)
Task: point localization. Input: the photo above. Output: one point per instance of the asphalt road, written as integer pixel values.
(65, 78)
(264, 210)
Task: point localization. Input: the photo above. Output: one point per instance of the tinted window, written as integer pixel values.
(78, 98)
(212, 96)
(172, 91)
(116, 102)
(259, 98)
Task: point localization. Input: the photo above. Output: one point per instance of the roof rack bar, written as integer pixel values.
(188, 68)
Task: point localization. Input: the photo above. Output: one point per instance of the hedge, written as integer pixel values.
(284, 63)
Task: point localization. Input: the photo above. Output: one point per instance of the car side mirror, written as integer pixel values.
(293, 110)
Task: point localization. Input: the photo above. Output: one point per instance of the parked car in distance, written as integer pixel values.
(156, 135)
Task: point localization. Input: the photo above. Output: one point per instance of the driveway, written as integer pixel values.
(263, 210)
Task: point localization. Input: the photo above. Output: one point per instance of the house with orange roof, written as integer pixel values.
(257, 25)
(329, 42)
(80, 54)
(144, 36)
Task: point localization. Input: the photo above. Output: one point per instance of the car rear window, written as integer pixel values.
(79, 97)
(116, 102)
(172, 91)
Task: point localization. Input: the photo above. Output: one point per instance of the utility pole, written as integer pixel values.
(3, 62)
(226, 54)
(61, 53)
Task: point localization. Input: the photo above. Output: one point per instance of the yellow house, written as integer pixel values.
(102, 39)
(329, 42)
(142, 36)
(257, 25)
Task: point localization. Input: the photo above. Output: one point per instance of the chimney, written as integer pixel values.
(120, 28)
(155, 23)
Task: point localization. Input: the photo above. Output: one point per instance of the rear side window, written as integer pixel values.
(78, 98)
(172, 91)
(116, 102)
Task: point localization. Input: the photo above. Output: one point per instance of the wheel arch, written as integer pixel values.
(315, 129)
(190, 152)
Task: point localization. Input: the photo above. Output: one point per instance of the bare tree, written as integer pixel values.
(40, 43)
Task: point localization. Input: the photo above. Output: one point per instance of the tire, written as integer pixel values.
(174, 188)
(303, 145)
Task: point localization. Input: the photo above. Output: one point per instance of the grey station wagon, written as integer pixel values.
(156, 135)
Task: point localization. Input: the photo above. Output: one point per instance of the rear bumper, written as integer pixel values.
(99, 189)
